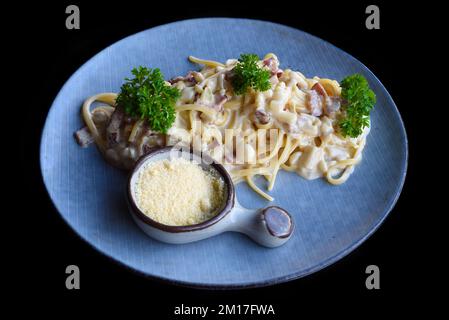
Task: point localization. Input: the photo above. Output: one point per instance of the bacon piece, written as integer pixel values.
(150, 141)
(177, 79)
(319, 89)
(272, 64)
(83, 137)
(190, 77)
(262, 116)
(315, 103)
(268, 62)
(113, 129)
(330, 103)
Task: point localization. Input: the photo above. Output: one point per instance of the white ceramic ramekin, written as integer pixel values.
(271, 226)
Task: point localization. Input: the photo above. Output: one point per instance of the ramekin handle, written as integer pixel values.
(271, 226)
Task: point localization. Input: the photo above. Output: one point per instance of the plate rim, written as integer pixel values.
(241, 285)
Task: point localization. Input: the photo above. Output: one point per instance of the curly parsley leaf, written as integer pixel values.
(247, 74)
(359, 100)
(148, 96)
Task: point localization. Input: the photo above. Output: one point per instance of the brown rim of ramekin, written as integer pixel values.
(229, 202)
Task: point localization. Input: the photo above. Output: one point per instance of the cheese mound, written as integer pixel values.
(178, 192)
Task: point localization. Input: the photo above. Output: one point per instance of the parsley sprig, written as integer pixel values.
(247, 74)
(148, 96)
(359, 100)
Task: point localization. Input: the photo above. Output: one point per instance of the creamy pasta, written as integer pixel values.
(291, 126)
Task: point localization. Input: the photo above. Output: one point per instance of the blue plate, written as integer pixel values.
(331, 221)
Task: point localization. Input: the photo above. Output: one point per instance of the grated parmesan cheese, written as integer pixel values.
(178, 192)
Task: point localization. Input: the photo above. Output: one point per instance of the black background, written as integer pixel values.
(51, 245)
